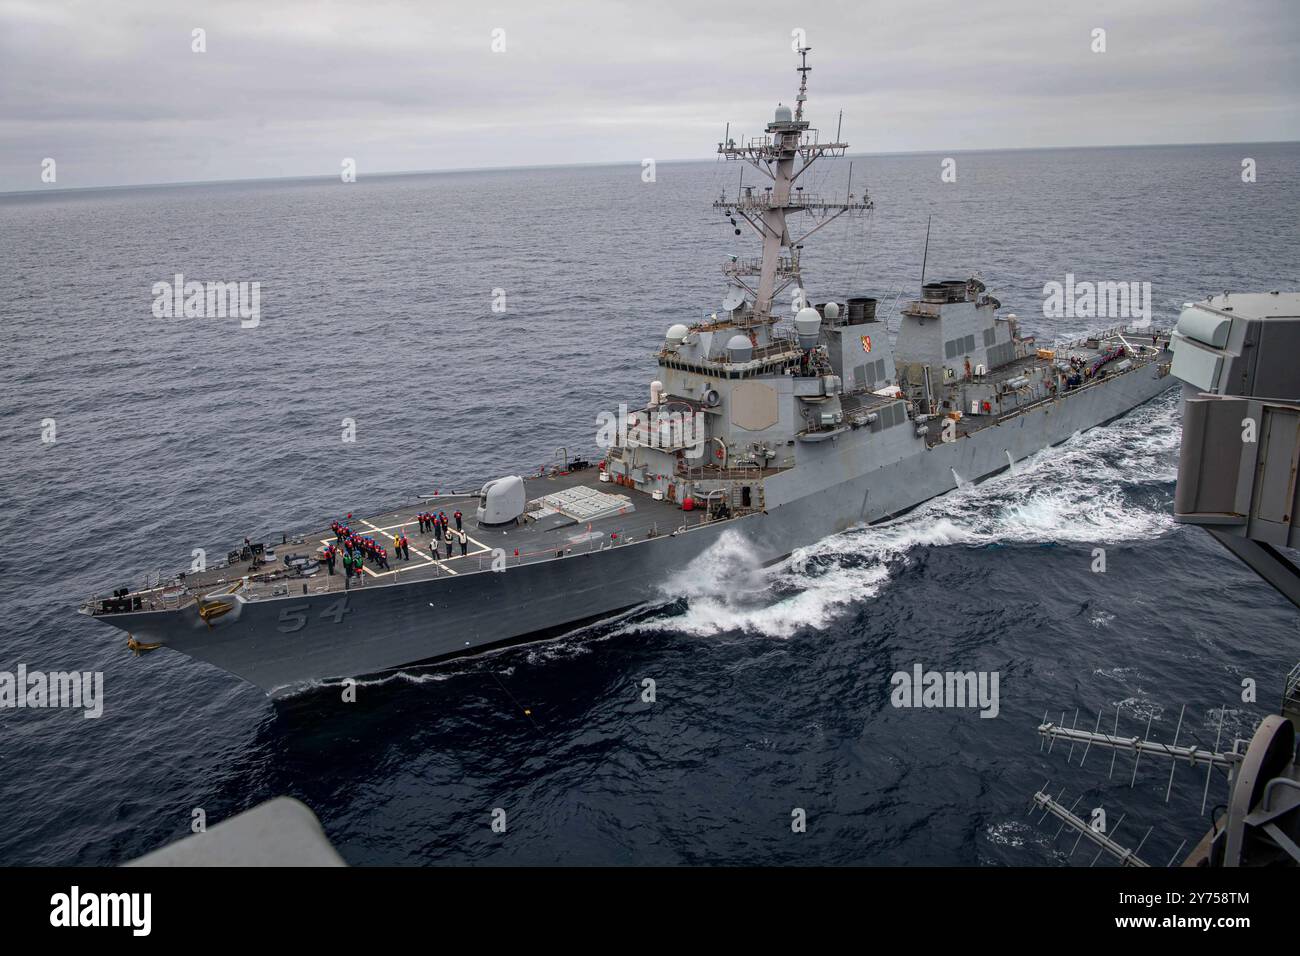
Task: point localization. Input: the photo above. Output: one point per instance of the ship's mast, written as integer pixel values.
(788, 137)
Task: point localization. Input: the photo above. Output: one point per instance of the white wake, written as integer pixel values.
(1104, 487)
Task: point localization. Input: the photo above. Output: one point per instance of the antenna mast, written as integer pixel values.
(926, 255)
(803, 69)
(788, 137)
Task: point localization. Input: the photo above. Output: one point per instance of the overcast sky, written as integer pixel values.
(112, 91)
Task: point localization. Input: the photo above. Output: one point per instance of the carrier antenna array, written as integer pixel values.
(1144, 745)
(1098, 837)
(1262, 821)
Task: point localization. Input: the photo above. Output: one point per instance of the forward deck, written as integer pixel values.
(543, 534)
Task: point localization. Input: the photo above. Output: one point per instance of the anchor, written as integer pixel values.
(211, 611)
(218, 604)
(139, 647)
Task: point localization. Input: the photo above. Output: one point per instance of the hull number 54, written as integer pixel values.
(294, 617)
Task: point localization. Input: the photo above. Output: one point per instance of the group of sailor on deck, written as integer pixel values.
(437, 523)
(356, 549)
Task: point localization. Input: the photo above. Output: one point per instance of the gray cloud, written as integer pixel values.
(114, 94)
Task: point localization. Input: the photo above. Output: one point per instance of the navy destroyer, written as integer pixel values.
(777, 432)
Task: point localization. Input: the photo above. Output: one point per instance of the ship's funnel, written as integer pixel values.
(807, 325)
(861, 310)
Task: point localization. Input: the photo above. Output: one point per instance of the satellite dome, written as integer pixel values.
(783, 114)
(832, 310)
(807, 323)
(675, 334)
(807, 318)
(739, 349)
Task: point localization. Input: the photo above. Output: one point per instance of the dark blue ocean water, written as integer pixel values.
(772, 686)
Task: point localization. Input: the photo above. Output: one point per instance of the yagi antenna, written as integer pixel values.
(1192, 756)
(1102, 838)
(1263, 805)
(1099, 838)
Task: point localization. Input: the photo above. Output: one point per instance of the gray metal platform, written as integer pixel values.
(574, 511)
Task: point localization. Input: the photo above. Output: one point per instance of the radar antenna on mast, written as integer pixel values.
(787, 137)
(803, 69)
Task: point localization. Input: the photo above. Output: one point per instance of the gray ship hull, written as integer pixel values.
(285, 642)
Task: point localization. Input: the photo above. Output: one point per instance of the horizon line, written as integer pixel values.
(177, 184)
